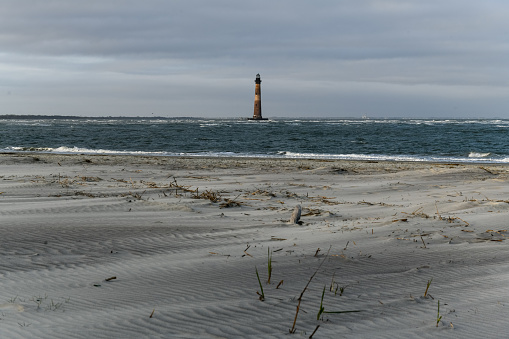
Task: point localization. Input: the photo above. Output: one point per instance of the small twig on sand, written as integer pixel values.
(487, 170)
(246, 250)
(312, 334)
(427, 287)
(151, 314)
(423, 242)
(112, 278)
(438, 213)
(467, 224)
(292, 330)
(317, 251)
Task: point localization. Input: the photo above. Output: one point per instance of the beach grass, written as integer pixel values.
(262, 294)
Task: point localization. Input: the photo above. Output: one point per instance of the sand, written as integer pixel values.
(182, 239)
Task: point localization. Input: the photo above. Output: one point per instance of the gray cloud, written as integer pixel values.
(322, 58)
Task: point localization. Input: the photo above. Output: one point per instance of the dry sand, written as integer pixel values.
(183, 237)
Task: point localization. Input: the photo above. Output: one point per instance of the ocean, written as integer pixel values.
(458, 141)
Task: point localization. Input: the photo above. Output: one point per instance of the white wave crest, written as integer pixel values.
(79, 150)
(478, 155)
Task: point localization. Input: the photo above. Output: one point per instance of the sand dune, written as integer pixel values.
(183, 236)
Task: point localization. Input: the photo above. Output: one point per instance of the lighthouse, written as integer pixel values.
(257, 115)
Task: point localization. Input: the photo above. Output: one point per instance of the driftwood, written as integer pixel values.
(296, 215)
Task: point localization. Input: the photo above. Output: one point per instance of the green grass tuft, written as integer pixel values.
(439, 317)
(262, 295)
(269, 264)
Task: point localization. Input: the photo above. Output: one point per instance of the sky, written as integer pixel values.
(199, 58)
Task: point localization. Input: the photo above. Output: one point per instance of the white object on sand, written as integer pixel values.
(296, 215)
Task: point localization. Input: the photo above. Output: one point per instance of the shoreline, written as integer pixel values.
(325, 159)
(105, 158)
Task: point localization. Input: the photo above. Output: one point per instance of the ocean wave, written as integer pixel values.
(478, 155)
(78, 150)
(473, 157)
(81, 150)
(384, 157)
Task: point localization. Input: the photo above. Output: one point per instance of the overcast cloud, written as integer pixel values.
(387, 58)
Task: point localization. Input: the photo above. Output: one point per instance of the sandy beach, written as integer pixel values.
(167, 247)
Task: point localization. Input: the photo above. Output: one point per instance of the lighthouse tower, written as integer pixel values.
(257, 115)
